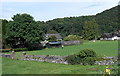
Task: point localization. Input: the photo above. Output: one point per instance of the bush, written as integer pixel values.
(73, 59)
(20, 49)
(6, 50)
(85, 57)
(34, 46)
(88, 60)
(87, 53)
(52, 38)
(72, 37)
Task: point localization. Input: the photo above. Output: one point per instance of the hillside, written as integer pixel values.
(25, 27)
(107, 21)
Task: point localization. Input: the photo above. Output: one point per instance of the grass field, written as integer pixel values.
(107, 48)
(33, 67)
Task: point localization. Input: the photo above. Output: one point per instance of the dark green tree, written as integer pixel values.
(52, 38)
(3, 32)
(71, 37)
(90, 30)
(51, 32)
(43, 26)
(4, 22)
(24, 26)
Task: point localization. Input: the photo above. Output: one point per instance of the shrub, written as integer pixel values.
(87, 53)
(71, 37)
(6, 50)
(88, 60)
(85, 57)
(20, 49)
(34, 46)
(52, 38)
(73, 59)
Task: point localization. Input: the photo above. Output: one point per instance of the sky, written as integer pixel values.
(44, 10)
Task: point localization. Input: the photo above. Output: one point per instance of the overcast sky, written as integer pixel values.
(44, 10)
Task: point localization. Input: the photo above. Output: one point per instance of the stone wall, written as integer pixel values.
(71, 42)
(13, 56)
(45, 58)
(107, 61)
(57, 59)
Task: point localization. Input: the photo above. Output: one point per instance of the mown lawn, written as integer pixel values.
(108, 48)
(33, 67)
(104, 48)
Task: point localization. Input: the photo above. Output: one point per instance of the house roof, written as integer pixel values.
(107, 35)
(58, 36)
(110, 35)
(117, 34)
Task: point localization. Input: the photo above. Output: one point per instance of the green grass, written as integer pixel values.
(0, 66)
(107, 48)
(33, 67)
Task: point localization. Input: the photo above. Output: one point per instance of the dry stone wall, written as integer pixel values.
(46, 58)
(70, 42)
(57, 59)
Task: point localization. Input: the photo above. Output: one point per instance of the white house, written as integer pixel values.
(110, 36)
(115, 38)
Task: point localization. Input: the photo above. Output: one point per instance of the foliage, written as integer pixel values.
(71, 37)
(85, 57)
(4, 22)
(89, 60)
(51, 32)
(73, 59)
(6, 50)
(68, 25)
(52, 38)
(34, 46)
(20, 49)
(87, 53)
(15, 42)
(43, 26)
(24, 26)
(108, 20)
(90, 30)
(16, 50)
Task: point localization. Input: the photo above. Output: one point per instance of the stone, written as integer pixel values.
(13, 56)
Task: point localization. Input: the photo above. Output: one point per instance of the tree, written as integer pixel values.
(24, 26)
(71, 37)
(3, 32)
(90, 30)
(51, 32)
(43, 26)
(4, 22)
(52, 38)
